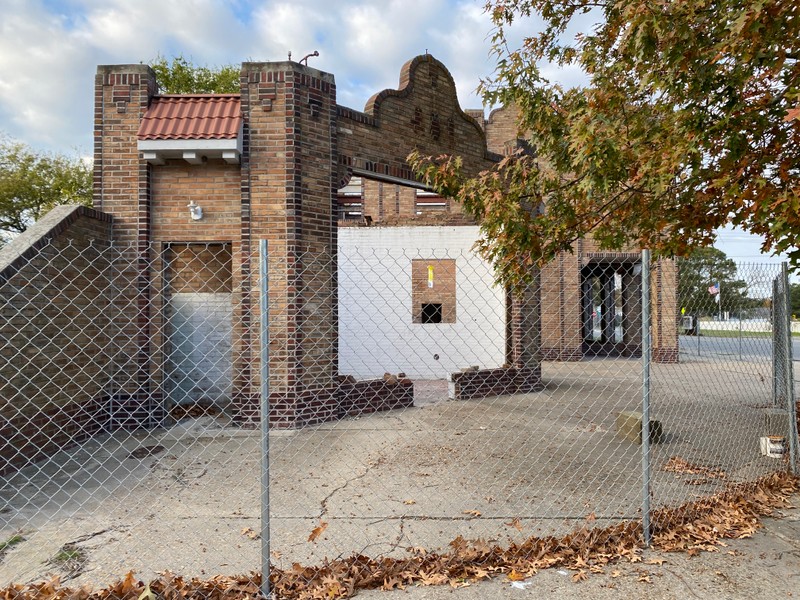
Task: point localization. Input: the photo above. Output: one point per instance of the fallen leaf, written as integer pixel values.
(147, 594)
(616, 574)
(580, 576)
(248, 532)
(409, 501)
(515, 523)
(655, 561)
(473, 513)
(317, 531)
(515, 575)
(591, 517)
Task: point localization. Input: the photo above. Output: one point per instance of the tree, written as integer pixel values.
(794, 299)
(702, 269)
(182, 77)
(688, 121)
(32, 183)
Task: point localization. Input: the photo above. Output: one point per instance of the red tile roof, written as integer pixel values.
(195, 117)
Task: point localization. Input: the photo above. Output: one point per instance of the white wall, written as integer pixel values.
(376, 333)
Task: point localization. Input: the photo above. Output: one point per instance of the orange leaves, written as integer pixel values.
(695, 527)
(676, 464)
(317, 531)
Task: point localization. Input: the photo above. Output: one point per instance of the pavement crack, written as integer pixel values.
(89, 536)
(326, 499)
(688, 587)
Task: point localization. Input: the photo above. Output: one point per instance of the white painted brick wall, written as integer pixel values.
(376, 334)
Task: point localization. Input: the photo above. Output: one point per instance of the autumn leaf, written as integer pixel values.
(472, 513)
(515, 523)
(515, 575)
(655, 561)
(591, 517)
(409, 502)
(248, 532)
(147, 594)
(317, 531)
(580, 576)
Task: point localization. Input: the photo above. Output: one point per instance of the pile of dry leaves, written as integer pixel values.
(693, 527)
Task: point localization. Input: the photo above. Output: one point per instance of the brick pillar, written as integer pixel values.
(122, 189)
(526, 326)
(664, 311)
(524, 346)
(289, 180)
(372, 198)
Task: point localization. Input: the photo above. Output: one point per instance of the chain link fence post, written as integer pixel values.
(646, 396)
(264, 357)
(788, 371)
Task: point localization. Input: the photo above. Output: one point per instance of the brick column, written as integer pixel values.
(122, 188)
(664, 311)
(288, 183)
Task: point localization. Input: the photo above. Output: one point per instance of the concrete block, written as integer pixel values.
(776, 422)
(629, 427)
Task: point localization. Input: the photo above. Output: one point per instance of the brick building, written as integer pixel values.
(185, 188)
(264, 164)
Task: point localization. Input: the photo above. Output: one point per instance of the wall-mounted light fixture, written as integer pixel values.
(195, 211)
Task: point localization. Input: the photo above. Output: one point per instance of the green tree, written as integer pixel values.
(32, 183)
(698, 272)
(180, 76)
(794, 299)
(688, 121)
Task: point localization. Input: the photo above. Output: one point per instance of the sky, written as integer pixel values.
(50, 49)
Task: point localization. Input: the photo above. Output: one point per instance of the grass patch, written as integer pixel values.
(9, 544)
(68, 554)
(71, 559)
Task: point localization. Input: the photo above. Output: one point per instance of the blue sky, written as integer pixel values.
(50, 49)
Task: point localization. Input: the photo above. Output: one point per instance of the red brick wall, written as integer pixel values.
(57, 330)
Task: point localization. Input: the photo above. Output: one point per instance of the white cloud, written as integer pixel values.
(49, 51)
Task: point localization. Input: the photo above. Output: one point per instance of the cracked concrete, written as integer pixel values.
(385, 482)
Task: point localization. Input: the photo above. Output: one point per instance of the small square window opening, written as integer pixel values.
(432, 313)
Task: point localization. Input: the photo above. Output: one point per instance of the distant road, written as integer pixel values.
(731, 347)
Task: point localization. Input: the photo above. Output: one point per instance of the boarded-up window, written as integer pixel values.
(433, 291)
(200, 268)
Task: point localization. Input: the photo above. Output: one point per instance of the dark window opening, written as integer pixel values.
(432, 313)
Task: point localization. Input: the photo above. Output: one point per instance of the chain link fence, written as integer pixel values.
(413, 403)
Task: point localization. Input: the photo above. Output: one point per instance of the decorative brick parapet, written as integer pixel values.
(469, 385)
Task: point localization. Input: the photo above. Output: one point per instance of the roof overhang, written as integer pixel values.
(193, 151)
